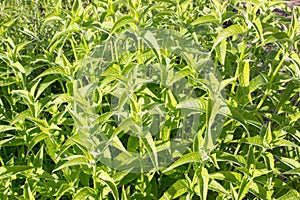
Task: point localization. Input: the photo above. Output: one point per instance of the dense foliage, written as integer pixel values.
(253, 46)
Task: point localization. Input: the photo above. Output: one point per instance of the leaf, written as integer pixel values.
(235, 114)
(286, 143)
(286, 95)
(251, 161)
(86, 193)
(151, 150)
(277, 37)
(227, 32)
(45, 84)
(191, 104)
(2, 142)
(6, 172)
(229, 176)
(258, 26)
(27, 192)
(122, 22)
(269, 160)
(38, 159)
(222, 49)
(257, 82)
(4, 128)
(268, 137)
(215, 186)
(76, 6)
(187, 158)
(290, 195)
(204, 20)
(176, 190)
(72, 161)
(245, 76)
(260, 191)
(203, 180)
(51, 18)
(51, 71)
(236, 159)
(234, 194)
(292, 163)
(36, 139)
(295, 171)
(244, 188)
(214, 123)
(110, 183)
(150, 39)
(63, 188)
(19, 67)
(257, 141)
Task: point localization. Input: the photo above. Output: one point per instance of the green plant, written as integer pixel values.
(63, 78)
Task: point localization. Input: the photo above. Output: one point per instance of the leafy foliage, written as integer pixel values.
(254, 46)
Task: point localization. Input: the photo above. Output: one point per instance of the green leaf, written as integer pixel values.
(2, 142)
(245, 76)
(244, 188)
(36, 139)
(203, 180)
(63, 188)
(204, 20)
(232, 177)
(187, 158)
(286, 95)
(221, 50)
(257, 141)
(286, 143)
(150, 39)
(73, 161)
(227, 32)
(191, 104)
(76, 6)
(257, 82)
(215, 186)
(277, 37)
(6, 172)
(45, 84)
(27, 192)
(260, 191)
(110, 183)
(53, 70)
(85, 193)
(290, 195)
(176, 190)
(4, 128)
(236, 159)
(122, 22)
(151, 149)
(19, 67)
(295, 171)
(292, 163)
(258, 26)
(50, 19)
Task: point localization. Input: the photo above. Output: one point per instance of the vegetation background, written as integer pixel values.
(254, 46)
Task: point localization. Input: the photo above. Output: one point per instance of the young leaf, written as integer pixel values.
(187, 158)
(179, 188)
(203, 180)
(227, 32)
(73, 161)
(205, 19)
(122, 22)
(104, 176)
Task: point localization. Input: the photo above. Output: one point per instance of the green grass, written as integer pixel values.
(202, 103)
